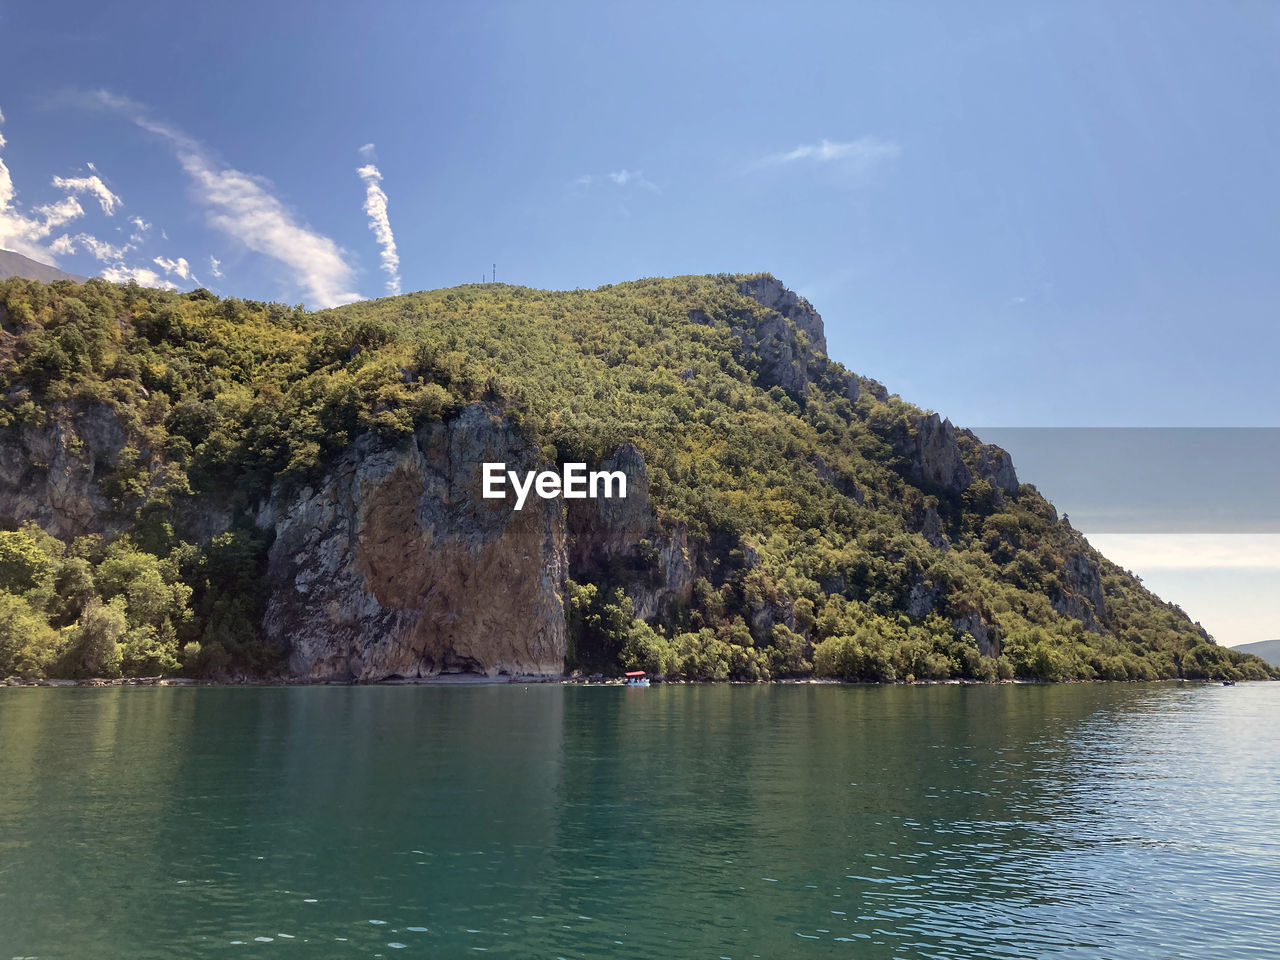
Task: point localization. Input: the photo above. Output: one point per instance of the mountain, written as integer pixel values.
(16, 265)
(1268, 650)
(232, 488)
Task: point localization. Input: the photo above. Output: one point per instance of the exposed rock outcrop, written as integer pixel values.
(768, 613)
(1082, 595)
(621, 539)
(875, 388)
(783, 361)
(987, 635)
(935, 455)
(991, 463)
(786, 359)
(606, 530)
(394, 565)
(924, 598)
(770, 293)
(942, 457)
(671, 578)
(852, 388)
(929, 524)
(52, 474)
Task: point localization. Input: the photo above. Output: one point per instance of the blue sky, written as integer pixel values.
(1051, 214)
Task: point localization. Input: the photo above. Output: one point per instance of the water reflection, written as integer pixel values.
(667, 822)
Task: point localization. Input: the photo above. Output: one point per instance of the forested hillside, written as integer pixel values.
(802, 519)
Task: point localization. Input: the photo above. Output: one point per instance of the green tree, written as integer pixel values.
(93, 642)
(28, 645)
(23, 565)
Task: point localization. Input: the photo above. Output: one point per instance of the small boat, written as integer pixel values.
(1228, 683)
(636, 678)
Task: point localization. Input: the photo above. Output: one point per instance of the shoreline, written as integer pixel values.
(480, 680)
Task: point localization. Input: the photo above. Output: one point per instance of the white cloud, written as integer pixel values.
(620, 178)
(368, 152)
(242, 207)
(25, 234)
(140, 228)
(215, 267)
(179, 268)
(56, 214)
(245, 208)
(98, 249)
(91, 185)
(860, 154)
(624, 177)
(140, 275)
(375, 207)
(117, 271)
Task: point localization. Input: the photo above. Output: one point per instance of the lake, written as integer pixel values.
(544, 821)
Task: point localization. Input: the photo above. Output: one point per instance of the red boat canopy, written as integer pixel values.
(635, 673)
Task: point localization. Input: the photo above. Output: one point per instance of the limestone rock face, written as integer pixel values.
(671, 582)
(924, 598)
(623, 538)
(876, 389)
(766, 614)
(929, 524)
(786, 360)
(51, 474)
(770, 293)
(603, 530)
(394, 564)
(992, 463)
(935, 455)
(1081, 596)
(987, 635)
(852, 389)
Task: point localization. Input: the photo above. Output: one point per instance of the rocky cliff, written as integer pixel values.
(390, 564)
(393, 565)
(50, 473)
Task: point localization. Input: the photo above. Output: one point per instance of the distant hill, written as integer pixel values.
(1268, 650)
(16, 265)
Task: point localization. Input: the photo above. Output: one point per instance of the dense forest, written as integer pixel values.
(828, 537)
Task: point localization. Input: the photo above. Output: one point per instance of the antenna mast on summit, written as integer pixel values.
(495, 273)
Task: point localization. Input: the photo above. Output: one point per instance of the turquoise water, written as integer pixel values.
(718, 821)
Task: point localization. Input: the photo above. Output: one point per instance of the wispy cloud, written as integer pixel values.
(98, 249)
(94, 186)
(56, 214)
(215, 267)
(178, 268)
(860, 154)
(619, 178)
(375, 207)
(23, 233)
(116, 269)
(245, 208)
(143, 276)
